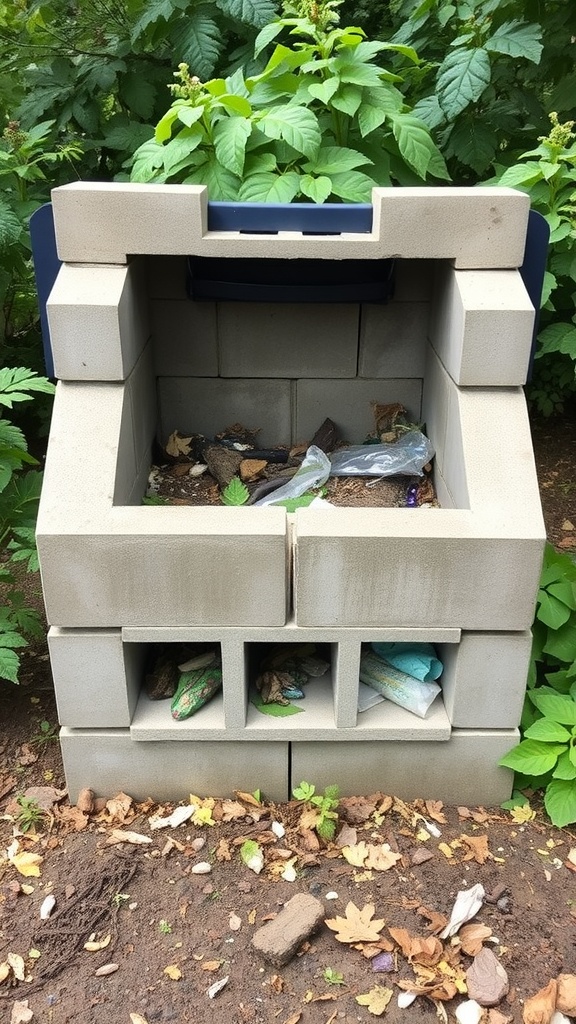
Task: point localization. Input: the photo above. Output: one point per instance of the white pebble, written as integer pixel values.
(278, 829)
(469, 1012)
(203, 868)
(406, 999)
(331, 895)
(47, 907)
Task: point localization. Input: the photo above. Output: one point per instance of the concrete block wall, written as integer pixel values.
(137, 359)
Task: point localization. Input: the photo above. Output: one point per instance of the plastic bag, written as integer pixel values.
(396, 686)
(406, 457)
(313, 472)
(418, 660)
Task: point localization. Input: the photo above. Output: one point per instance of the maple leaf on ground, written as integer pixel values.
(477, 848)
(434, 809)
(357, 925)
(376, 1000)
(381, 858)
(425, 951)
(437, 921)
(472, 936)
(177, 445)
(356, 854)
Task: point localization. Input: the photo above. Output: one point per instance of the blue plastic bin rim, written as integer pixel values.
(309, 218)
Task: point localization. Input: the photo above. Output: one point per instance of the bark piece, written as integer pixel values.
(223, 463)
(279, 940)
(486, 979)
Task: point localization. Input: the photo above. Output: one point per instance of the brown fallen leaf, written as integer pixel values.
(539, 1009)
(355, 855)
(381, 858)
(21, 1012)
(235, 923)
(223, 851)
(357, 925)
(566, 995)
(119, 835)
(347, 836)
(277, 983)
(27, 755)
(376, 1000)
(119, 808)
(210, 965)
(72, 816)
(434, 810)
(6, 786)
(294, 1018)
(173, 972)
(472, 936)
(371, 949)
(495, 1017)
(177, 445)
(477, 848)
(356, 809)
(464, 812)
(436, 988)
(425, 951)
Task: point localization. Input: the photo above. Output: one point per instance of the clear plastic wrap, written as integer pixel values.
(406, 457)
(409, 693)
(313, 472)
(415, 659)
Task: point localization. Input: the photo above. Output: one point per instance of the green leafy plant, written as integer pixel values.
(236, 493)
(548, 175)
(119, 898)
(46, 734)
(164, 927)
(546, 756)
(332, 977)
(321, 121)
(30, 814)
(325, 804)
(19, 496)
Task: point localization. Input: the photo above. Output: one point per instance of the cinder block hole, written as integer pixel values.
(169, 665)
(287, 668)
(403, 670)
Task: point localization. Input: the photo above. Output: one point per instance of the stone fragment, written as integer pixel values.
(486, 979)
(223, 463)
(566, 997)
(85, 801)
(278, 940)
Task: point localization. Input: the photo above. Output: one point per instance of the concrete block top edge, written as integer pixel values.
(106, 222)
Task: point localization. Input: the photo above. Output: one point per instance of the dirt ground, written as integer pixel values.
(174, 932)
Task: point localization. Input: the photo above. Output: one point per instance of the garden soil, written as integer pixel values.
(167, 934)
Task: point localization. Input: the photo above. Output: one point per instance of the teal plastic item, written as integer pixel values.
(417, 660)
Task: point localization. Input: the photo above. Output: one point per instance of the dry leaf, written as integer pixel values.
(472, 936)
(445, 849)
(252, 916)
(566, 997)
(16, 962)
(119, 835)
(173, 971)
(232, 809)
(4, 971)
(437, 922)
(355, 855)
(425, 951)
(376, 1000)
(381, 858)
(247, 798)
(119, 807)
(357, 925)
(21, 1012)
(477, 848)
(277, 983)
(223, 851)
(434, 809)
(27, 755)
(522, 814)
(434, 987)
(539, 1008)
(464, 812)
(72, 816)
(294, 1018)
(177, 445)
(211, 965)
(137, 1018)
(27, 864)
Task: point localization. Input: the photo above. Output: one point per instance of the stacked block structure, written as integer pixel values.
(137, 359)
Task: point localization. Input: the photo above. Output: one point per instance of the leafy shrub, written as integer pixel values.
(546, 756)
(322, 120)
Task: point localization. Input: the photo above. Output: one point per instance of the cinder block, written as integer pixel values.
(280, 340)
(348, 403)
(184, 338)
(98, 320)
(205, 405)
(484, 679)
(480, 228)
(107, 760)
(141, 395)
(481, 326)
(97, 678)
(393, 340)
(462, 771)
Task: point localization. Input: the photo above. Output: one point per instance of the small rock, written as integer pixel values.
(106, 969)
(567, 525)
(85, 801)
(47, 907)
(278, 940)
(469, 1012)
(202, 868)
(486, 979)
(420, 856)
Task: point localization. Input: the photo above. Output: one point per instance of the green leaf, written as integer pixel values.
(474, 143)
(10, 226)
(337, 159)
(561, 644)
(16, 382)
(559, 338)
(517, 39)
(551, 611)
(189, 115)
(178, 150)
(557, 707)
(532, 757)
(266, 35)
(347, 99)
(353, 186)
(548, 731)
(197, 39)
(9, 664)
(230, 136)
(236, 493)
(266, 187)
(12, 437)
(138, 94)
(564, 591)
(429, 110)
(154, 10)
(221, 183)
(236, 104)
(297, 126)
(317, 189)
(462, 78)
(564, 769)
(520, 174)
(250, 12)
(414, 142)
(560, 802)
(357, 74)
(324, 91)
(276, 710)
(148, 162)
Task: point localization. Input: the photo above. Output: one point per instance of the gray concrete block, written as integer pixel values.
(141, 392)
(98, 320)
(206, 405)
(481, 326)
(97, 678)
(184, 338)
(463, 770)
(348, 403)
(279, 340)
(99, 222)
(393, 340)
(107, 760)
(279, 940)
(484, 679)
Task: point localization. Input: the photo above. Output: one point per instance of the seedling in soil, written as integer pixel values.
(236, 493)
(332, 977)
(46, 734)
(119, 898)
(165, 927)
(326, 804)
(30, 813)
